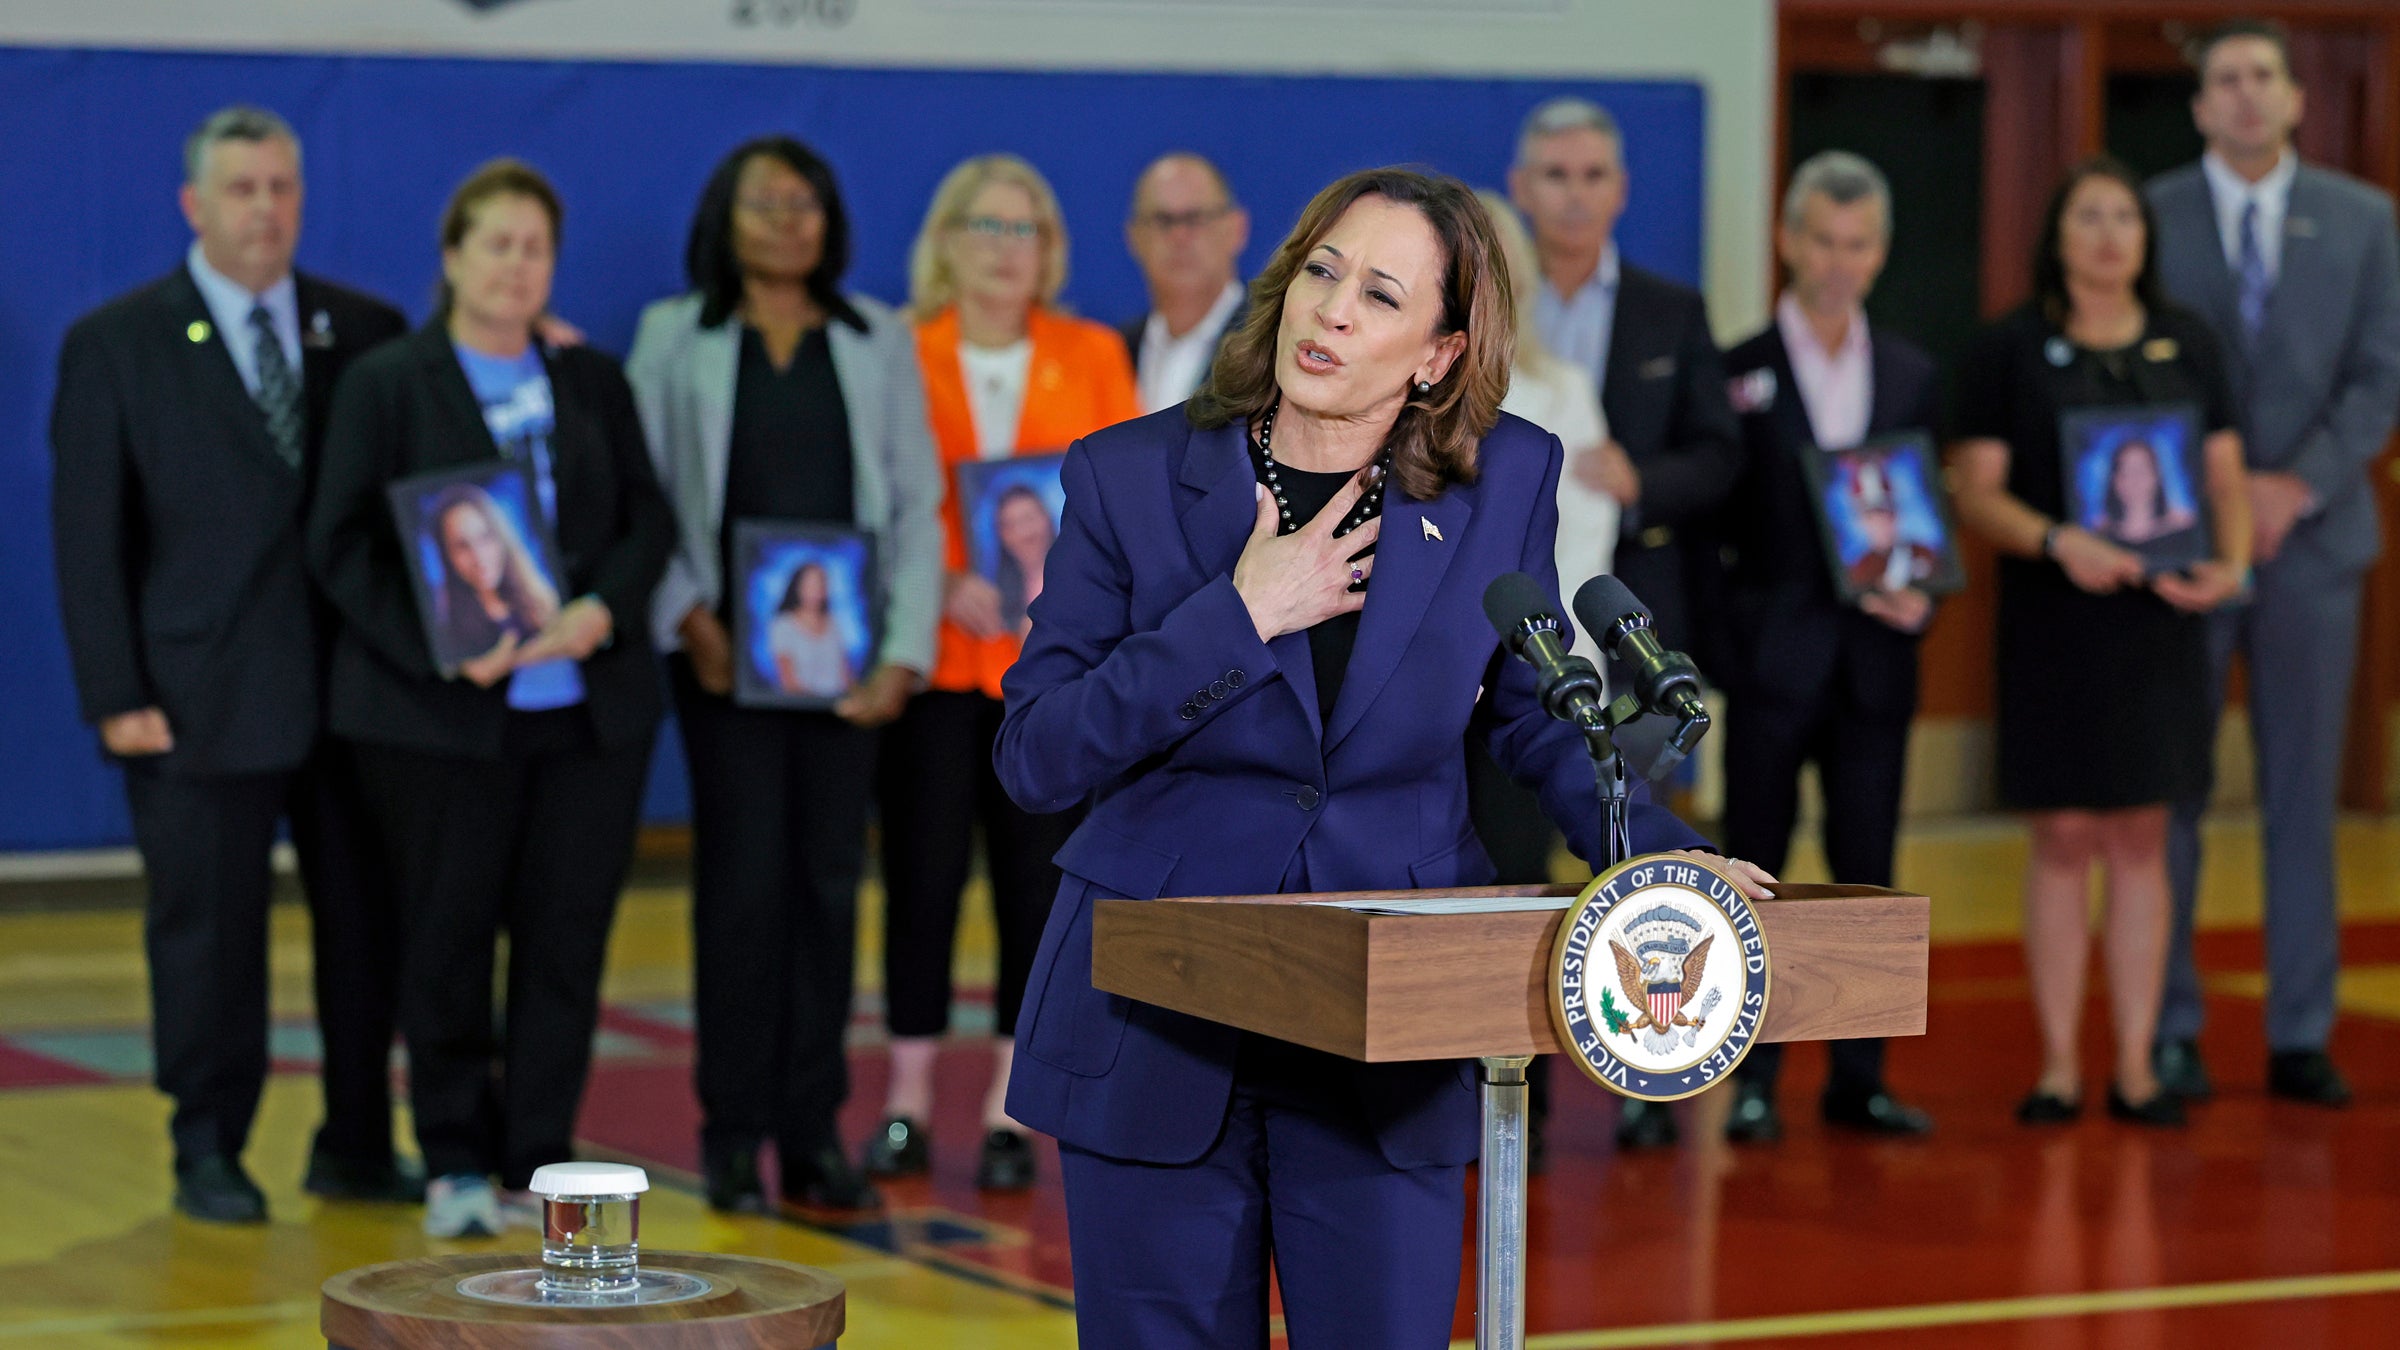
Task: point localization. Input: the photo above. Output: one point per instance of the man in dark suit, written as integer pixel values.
(1188, 233)
(186, 430)
(1672, 449)
(2298, 270)
(1813, 678)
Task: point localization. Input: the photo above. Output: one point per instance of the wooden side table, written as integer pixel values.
(755, 1304)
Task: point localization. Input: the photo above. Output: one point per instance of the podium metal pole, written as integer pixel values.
(1500, 1217)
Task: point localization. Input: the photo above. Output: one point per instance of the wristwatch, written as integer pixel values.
(2050, 538)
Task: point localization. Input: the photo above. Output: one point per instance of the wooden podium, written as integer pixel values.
(1846, 961)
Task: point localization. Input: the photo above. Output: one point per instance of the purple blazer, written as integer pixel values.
(1144, 690)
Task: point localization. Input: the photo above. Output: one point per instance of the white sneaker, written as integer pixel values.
(521, 1209)
(461, 1206)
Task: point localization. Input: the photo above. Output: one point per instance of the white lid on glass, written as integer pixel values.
(589, 1178)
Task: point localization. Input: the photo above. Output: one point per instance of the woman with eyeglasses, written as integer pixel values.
(771, 394)
(1005, 373)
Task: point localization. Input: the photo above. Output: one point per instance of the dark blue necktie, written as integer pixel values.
(2250, 270)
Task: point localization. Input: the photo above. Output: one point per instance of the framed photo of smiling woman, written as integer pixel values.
(481, 558)
(2130, 480)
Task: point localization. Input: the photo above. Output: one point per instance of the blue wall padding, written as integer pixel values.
(89, 162)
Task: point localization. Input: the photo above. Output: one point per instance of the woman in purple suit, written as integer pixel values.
(1255, 694)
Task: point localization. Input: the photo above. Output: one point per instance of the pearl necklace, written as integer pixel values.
(1370, 502)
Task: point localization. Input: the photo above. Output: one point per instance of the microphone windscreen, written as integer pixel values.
(1511, 599)
(1603, 600)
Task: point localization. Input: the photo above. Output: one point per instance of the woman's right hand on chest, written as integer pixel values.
(1296, 581)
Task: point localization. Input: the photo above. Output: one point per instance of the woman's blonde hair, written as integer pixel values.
(1434, 441)
(1524, 279)
(932, 287)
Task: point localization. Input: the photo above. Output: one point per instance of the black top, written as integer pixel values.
(176, 527)
(789, 459)
(2103, 699)
(1329, 643)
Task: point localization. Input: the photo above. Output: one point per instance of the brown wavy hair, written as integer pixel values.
(1433, 443)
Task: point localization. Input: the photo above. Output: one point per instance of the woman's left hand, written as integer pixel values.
(878, 698)
(2199, 588)
(1752, 878)
(574, 635)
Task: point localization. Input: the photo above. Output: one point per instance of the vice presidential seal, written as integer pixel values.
(1659, 978)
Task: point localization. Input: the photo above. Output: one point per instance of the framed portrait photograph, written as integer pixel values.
(1012, 509)
(1884, 520)
(804, 613)
(481, 558)
(2133, 478)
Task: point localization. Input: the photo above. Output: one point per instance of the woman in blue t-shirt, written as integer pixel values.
(508, 784)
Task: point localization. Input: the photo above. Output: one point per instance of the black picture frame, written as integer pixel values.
(1898, 476)
(532, 588)
(782, 665)
(2171, 530)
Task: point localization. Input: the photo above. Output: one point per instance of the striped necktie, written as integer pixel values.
(278, 388)
(2251, 271)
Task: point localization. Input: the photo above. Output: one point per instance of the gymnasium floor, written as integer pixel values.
(2264, 1224)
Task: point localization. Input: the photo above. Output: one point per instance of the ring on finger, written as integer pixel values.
(1358, 574)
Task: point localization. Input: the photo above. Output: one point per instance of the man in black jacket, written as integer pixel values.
(188, 419)
(1813, 677)
(1672, 450)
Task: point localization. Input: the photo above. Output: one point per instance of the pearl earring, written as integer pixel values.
(1424, 387)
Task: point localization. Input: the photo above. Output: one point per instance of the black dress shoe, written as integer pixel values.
(2306, 1076)
(732, 1181)
(2042, 1108)
(901, 1148)
(821, 1178)
(1875, 1113)
(2180, 1070)
(1643, 1124)
(215, 1189)
(2164, 1110)
(1007, 1162)
(385, 1181)
(1754, 1119)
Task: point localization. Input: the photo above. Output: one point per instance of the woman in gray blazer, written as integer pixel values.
(769, 395)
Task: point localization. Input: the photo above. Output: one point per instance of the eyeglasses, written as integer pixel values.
(781, 206)
(998, 230)
(1165, 222)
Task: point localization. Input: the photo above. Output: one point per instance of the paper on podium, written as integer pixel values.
(1452, 904)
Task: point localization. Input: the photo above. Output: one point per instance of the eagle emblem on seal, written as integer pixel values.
(1662, 976)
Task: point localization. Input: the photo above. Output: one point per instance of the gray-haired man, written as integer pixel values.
(2298, 268)
(186, 429)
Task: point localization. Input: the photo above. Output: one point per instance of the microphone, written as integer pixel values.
(1568, 686)
(1664, 682)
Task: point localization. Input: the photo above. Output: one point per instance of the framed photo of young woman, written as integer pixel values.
(1012, 509)
(804, 613)
(1885, 523)
(481, 558)
(2133, 478)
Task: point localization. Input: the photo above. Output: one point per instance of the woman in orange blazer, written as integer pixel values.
(1005, 374)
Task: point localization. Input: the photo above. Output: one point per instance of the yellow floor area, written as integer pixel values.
(89, 1255)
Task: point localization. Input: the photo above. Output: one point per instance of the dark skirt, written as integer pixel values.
(2103, 699)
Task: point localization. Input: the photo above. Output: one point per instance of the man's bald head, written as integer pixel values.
(1186, 230)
